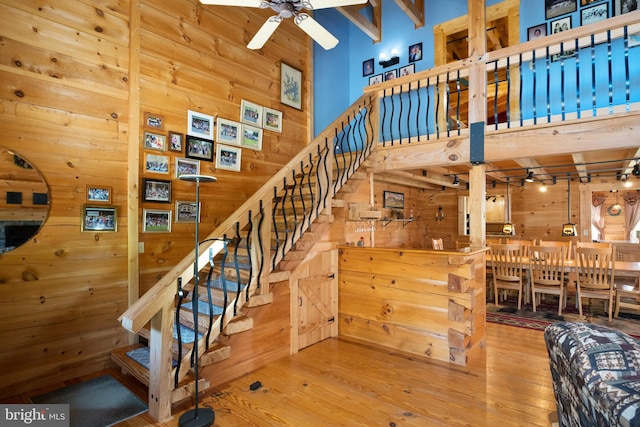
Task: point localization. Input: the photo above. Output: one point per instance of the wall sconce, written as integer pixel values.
(440, 214)
(386, 61)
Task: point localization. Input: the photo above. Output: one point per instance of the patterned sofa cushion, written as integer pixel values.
(596, 374)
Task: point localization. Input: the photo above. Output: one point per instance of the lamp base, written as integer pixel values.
(201, 417)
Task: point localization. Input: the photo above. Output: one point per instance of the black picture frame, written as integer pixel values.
(99, 218)
(620, 7)
(537, 31)
(368, 67)
(390, 75)
(555, 8)
(595, 13)
(560, 25)
(156, 190)
(374, 80)
(393, 200)
(199, 148)
(415, 52)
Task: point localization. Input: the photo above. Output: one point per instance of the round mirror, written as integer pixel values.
(24, 200)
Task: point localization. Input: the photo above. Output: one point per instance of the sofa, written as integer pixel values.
(596, 374)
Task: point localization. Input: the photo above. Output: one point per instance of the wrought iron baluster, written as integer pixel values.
(496, 82)
(181, 296)
(610, 72)
(437, 111)
(248, 240)
(274, 211)
(260, 247)
(577, 78)
(508, 92)
(448, 105)
(426, 114)
(384, 118)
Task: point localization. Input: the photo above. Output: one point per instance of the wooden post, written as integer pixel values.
(160, 358)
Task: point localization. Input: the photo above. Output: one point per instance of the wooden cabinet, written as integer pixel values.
(627, 252)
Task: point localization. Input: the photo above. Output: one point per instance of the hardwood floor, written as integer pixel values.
(339, 383)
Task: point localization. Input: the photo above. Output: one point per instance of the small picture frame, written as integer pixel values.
(251, 138)
(199, 125)
(250, 113)
(393, 200)
(186, 211)
(620, 7)
(415, 52)
(537, 31)
(272, 120)
(176, 140)
(155, 141)
(367, 67)
(390, 75)
(153, 121)
(99, 218)
(374, 80)
(595, 13)
(198, 148)
(157, 191)
(228, 157)
(290, 86)
(560, 25)
(156, 221)
(554, 8)
(407, 70)
(156, 163)
(98, 194)
(228, 131)
(187, 167)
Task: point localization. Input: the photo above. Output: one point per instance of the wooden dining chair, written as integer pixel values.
(546, 273)
(594, 245)
(461, 245)
(595, 275)
(567, 244)
(506, 266)
(526, 244)
(437, 244)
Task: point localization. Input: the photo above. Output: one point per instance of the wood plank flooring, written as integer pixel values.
(339, 383)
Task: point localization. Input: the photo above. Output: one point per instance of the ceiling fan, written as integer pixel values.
(288, 9)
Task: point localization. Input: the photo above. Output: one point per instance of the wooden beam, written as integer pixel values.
(373, 28)
(415, 11)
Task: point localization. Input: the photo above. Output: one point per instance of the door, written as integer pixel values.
(314, 300)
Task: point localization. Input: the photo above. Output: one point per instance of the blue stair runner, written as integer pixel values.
(231, 285)
(141, 355)
(188, 335)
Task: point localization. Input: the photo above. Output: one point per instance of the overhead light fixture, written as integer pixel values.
(386, 61)
(569, 228)
(529, 177)
(636, 170)
(507, 227)
(543, 187)
(626, 182)
(456, 181)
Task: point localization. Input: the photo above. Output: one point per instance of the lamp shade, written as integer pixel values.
(569, 229)
(508, 228)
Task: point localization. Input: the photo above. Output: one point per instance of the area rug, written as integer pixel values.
(98, 402)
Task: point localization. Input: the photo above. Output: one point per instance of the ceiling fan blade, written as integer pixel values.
(323, 4)
(264, 32)
(243, 3)
(316, 31)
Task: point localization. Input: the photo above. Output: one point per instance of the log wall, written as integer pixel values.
(428, 304)
(76, 77)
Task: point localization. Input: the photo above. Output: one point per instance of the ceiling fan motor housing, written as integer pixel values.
(285, 9)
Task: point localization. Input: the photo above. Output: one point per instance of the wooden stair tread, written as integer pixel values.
(238, 324)
(120, 358)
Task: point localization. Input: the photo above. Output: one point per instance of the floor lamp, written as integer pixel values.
(197, 417)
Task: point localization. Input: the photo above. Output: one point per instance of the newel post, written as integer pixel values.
(160, 366)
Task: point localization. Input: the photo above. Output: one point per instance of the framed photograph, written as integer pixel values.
(598, 12)
(537, 31)
(156, 221)
(186, 212)
(407, 70)
(390, 75)
(99, 194)
(393, 200)
(290, 86)
(199, 125)
(198, 148)
(153, 121)
(560, 25)
(415, 52)
(251, 138)
(155, 163)
(99, 218)
(554, 8)
(272, 120)
(155, 190)
(175, 141)
(367, 67)
(620, 7)
(634, 40)
(228, 158)
(155, 141)
(187, 167)
(374, 80)
(228, 131)
(250, 113)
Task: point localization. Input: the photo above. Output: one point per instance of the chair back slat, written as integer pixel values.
(595, 268)
(546, 264)
(506, 261)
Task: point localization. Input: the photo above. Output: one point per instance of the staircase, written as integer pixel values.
(271, 232)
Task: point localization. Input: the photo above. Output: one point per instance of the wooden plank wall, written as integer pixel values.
(68, 96)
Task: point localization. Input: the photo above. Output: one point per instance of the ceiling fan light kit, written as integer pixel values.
(289, 9)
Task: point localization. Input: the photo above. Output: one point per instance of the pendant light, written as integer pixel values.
(507, 227)
(569, 229)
